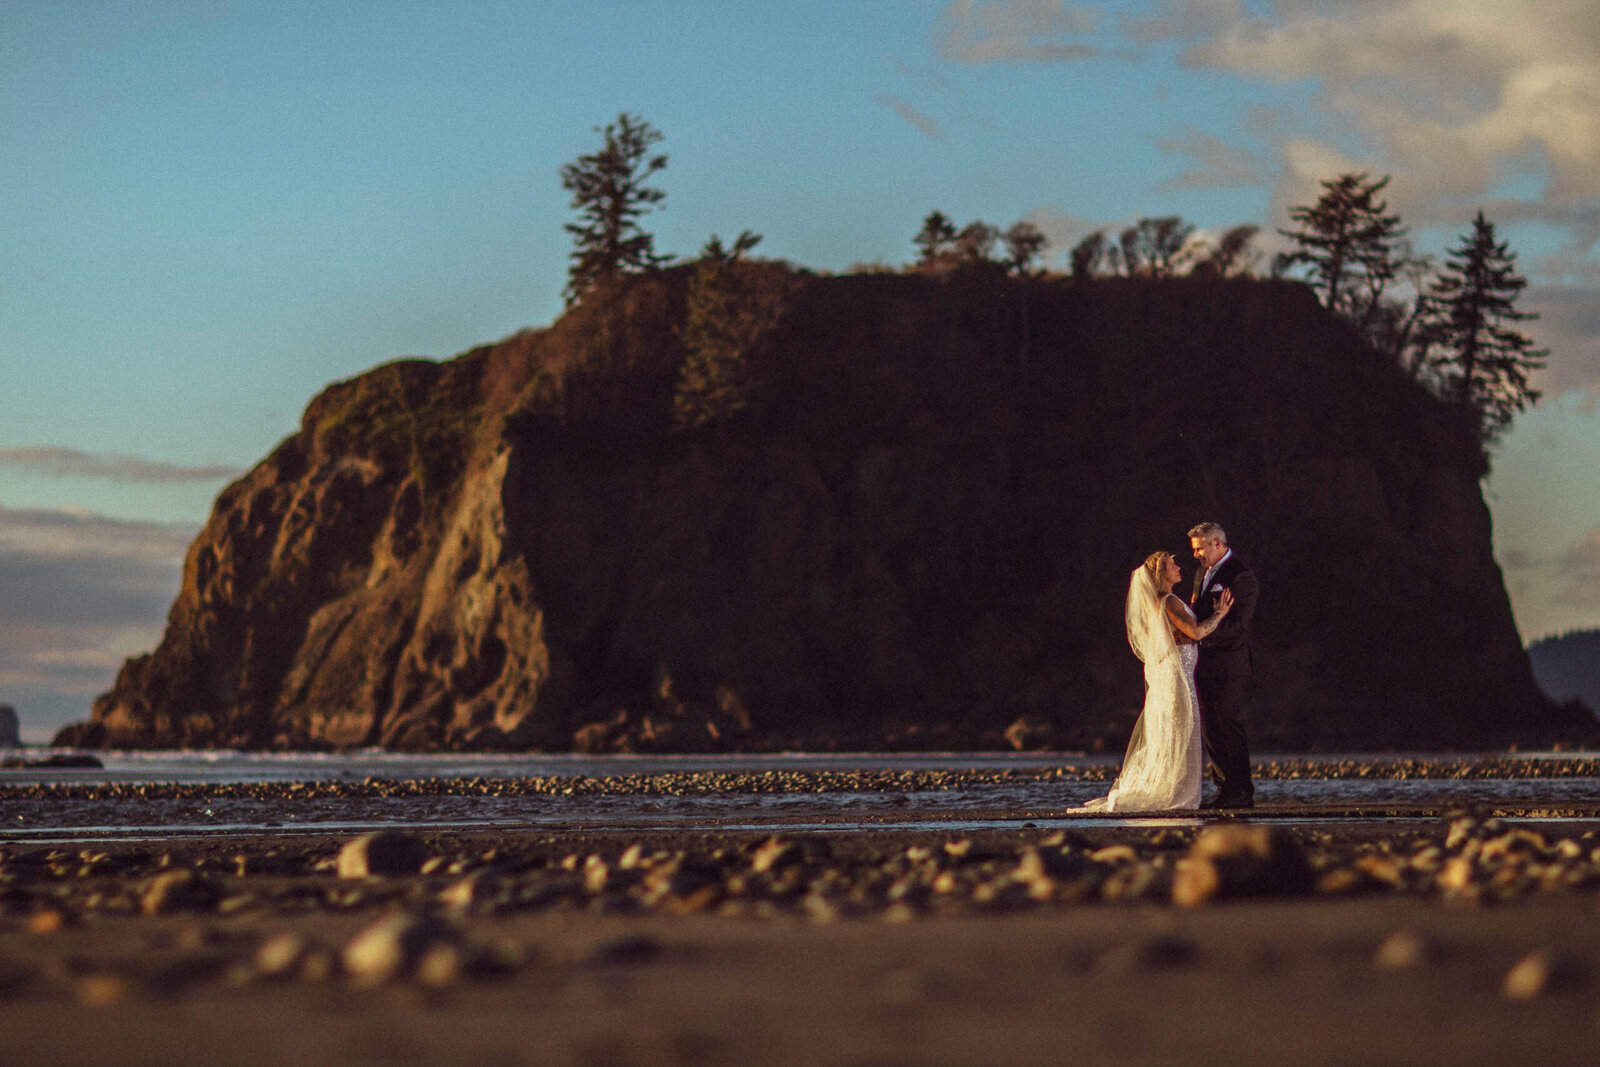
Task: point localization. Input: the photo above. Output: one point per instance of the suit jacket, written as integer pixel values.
(1226, 653)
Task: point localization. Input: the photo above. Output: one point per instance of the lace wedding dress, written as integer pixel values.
(1162, 769)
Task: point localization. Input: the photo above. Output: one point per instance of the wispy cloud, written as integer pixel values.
(74, 535)
(1017, 31)
(1462, 95)
(1219, 164)
(53, 462)
(926, 125)
(1580, 569)
(81, 592)
(1459, 102)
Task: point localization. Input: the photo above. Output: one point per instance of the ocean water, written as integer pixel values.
(965, 806)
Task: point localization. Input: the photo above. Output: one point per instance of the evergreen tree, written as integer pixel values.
(1350, 245)
(1482, 360)
(610, 195)
(938, 233)
(731, 303)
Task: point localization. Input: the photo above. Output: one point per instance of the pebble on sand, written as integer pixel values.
(1528, 977)
(1401, 950)
(391, 948)
(387, 852)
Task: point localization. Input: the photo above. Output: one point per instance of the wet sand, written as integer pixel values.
(1387, 933)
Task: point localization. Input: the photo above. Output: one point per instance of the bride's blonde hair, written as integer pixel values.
(1156, 564)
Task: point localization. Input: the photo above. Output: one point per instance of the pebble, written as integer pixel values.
(1400, 951)
(390, 948)
(47, 921)
(1527, 978)
(179, 889)
(773, 853)
(385, 852)
(100, 990)
(1236, 860)
(281, 956)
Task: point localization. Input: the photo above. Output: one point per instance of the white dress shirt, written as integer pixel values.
(1213, 570)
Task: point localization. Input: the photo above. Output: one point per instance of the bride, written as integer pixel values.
(1162, 768)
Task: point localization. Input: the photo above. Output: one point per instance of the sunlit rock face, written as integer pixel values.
(918, 535)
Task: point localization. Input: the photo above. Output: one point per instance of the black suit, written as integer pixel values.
(1223, 672)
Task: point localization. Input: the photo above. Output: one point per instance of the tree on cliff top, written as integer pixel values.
(1483, 361)
(938, 233)
(1350, 244)
(1154, 247)
(730, 304)
(610, 195)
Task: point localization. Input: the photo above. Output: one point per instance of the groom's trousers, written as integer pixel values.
(1221, 701)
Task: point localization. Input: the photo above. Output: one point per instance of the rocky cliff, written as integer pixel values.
(918, 534)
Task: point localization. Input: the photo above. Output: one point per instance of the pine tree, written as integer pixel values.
(1483, 361)
(1350, 243)
(1233, 254)
(731, 303)
(938, 233)
(610, 195)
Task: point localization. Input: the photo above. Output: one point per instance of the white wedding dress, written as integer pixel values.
(1161, 771)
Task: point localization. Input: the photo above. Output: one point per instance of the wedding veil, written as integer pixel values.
(1149, 632)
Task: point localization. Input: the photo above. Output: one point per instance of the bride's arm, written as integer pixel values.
(1184, 623)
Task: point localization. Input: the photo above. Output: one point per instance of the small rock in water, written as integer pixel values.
(383, 852)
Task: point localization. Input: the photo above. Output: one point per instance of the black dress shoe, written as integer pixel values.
(1234, 801)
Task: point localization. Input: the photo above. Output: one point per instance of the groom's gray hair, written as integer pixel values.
(1207, 530)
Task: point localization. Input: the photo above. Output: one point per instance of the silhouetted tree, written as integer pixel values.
(1233, 254)
(1024, 243)
(975, 243)
(1394, 327)
(1088, 256)
(610, 195)
(1482, 360)
(1154, 246)
(1349, 244)
(938, 233)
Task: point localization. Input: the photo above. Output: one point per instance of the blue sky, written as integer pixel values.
(210, 210)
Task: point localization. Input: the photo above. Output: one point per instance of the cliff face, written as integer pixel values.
(919, 535)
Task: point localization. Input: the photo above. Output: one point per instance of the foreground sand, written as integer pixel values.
(1459, 939)
(1255, 983)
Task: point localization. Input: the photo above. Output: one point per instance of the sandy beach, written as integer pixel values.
(1342, 934)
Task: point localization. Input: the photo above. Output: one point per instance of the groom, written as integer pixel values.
(1224, 668)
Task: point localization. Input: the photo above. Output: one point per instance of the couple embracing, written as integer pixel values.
(1196, 665)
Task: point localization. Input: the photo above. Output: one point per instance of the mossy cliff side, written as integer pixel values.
(917, 533)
